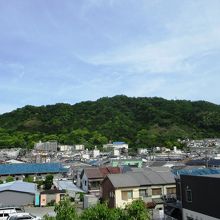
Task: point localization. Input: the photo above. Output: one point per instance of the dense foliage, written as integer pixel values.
(141, 122)
(134, 211)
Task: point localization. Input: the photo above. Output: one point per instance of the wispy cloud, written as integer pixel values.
(172, 55)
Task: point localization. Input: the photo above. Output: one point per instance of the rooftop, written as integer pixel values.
(31, 168)
(141, 178)
(19, 186)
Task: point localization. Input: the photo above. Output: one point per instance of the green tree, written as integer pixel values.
(48, 182)
(1, 182)
(9, 179)
(98, 212)
(137, 211)
(28, 179)
(65, 210)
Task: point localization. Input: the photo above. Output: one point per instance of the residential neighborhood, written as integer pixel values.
(104, 177)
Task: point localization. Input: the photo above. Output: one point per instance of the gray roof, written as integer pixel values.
(67, 185)
(19, 186)
(141, 178)
(123, 180)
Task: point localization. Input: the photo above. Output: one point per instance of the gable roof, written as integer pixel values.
(67, 185)
(93, 173)
(19, 186)
(100, 172)
(109, 170)
(141, 178)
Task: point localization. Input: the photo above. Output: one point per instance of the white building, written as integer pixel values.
(142, 151)
(117, 145)
(79, 147)
(66, 147)
(95, 153)
(46, 146)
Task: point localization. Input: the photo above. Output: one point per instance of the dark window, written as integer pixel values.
(188, 195)
(189, 218)
(143, 192)
(156, 191)
(125, 195)
(171, 190)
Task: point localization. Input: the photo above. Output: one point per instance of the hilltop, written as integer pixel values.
(141, 122)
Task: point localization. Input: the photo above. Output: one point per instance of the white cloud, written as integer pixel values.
(166, 56)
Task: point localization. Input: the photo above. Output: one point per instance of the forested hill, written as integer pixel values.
(141, 122)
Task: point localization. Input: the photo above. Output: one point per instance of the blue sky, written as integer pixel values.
(76, 50)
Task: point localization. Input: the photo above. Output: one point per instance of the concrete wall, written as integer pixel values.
(9, 198)
(121, 203)
(43, 200)
(196, 215)
(46, 198)
(204, 194)
(118, 197)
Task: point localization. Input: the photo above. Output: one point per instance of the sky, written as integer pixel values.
(54, 51)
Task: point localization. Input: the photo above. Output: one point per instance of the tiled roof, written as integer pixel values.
(109, 170)
(93, 173)
(141, 178)
(100, 172)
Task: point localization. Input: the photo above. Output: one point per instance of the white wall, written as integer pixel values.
(196, 215)
(85, 180)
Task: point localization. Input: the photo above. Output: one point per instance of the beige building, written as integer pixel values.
(149, 185)
(52, 196)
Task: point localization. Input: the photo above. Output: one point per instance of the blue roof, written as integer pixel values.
(31, 168)
(210, 162)
(196, 171)
(19, 186)
(118, 142)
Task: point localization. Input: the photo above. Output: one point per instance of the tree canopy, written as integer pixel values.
(141, 122)
(134, 211)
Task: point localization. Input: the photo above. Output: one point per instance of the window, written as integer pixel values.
(125, 195)
(171, 190)
(111, 194)
(156, 191)
(188, 195)
(189, 218)
(143, 192)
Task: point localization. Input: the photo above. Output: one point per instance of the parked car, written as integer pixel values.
(22, 216)
(6, 211)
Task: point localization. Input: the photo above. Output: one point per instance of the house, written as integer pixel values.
(92, 177)
(79, 147)
(116, 145)
(49, 146)
(68, 185)
(198, 203)
(17, 193)
(149, 185)
(195, 193)
(52, 196)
